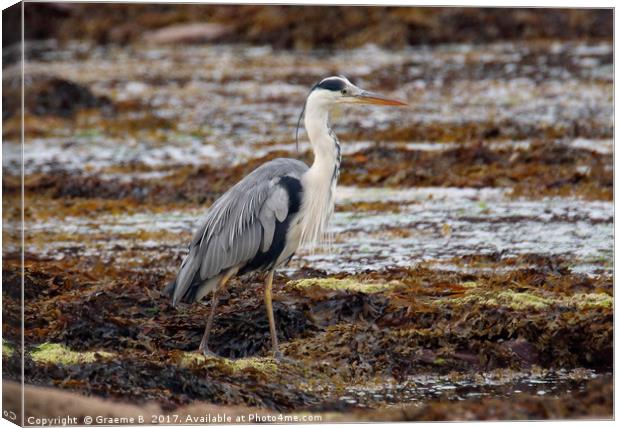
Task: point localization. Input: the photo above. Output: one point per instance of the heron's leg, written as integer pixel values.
(272, 324)
(204, 343)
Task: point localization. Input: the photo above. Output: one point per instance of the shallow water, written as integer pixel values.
(433, 225)
(57, 154)
(226, 104)
(444, 223)
(498, 384)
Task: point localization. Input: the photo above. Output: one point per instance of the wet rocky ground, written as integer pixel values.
(469, 273)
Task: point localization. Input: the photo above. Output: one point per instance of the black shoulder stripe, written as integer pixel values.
(266, 260)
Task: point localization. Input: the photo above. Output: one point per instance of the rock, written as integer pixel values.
(50, 95)
(123, 33)
(61, 97)
(45, 402)
(525, 350)
(51, 402)
(187, 33)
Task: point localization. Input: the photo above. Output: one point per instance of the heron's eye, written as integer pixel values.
(344, 92)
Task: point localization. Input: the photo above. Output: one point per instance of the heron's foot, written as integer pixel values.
(277, 355)
(207, 352)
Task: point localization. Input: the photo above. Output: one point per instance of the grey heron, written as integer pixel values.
(259, 223)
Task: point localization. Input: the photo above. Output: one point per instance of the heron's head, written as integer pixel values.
(339, 90)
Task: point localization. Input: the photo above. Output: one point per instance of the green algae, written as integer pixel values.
(341, 284)
(261, 364)
(589, 300)
(469, 284)
(7, 349)
(523, 301)
(55, 353)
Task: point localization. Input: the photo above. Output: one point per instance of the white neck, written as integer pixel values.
(320, 180)
(321, 138)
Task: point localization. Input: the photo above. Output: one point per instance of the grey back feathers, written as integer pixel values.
(239, 225)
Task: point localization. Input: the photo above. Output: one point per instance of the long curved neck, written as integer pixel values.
(319, 182)
(324, 143)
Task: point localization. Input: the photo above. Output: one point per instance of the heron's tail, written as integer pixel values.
(188, 286)
(169, 290)
(185, 279)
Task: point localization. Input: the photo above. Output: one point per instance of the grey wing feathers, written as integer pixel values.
(275, 207)
(239, 224)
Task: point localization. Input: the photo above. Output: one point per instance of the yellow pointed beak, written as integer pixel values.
(370, 98)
